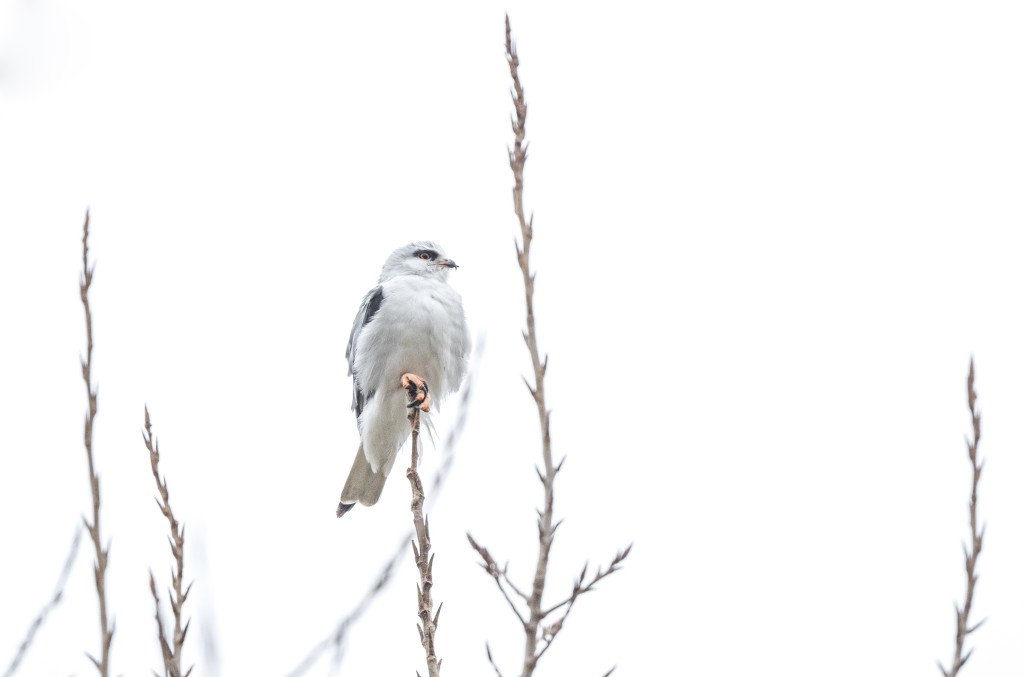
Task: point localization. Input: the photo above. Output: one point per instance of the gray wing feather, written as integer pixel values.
(367, 309)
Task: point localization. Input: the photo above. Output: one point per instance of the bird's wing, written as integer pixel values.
(367, 309)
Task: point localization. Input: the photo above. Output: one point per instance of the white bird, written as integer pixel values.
(409, 336)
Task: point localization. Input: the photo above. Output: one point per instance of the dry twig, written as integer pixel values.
(100, 569)
(490, 659)
(58, 594)
(172, 649)
(963, 627)
(424, 559)
(336, 639)
(539, 632)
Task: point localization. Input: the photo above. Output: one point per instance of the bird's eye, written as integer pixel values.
(427, 256)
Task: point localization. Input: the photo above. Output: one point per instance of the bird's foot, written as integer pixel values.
(419, 394)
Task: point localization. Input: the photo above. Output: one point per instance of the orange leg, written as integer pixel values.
(419, 394)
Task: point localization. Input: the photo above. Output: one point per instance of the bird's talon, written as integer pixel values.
(418, 392)
(409, 378)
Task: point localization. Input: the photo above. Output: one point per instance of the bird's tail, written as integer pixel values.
(362, 485)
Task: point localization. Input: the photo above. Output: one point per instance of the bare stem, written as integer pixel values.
(161, 634)
(545, 523)
(100, 569)
(490, 659)
(424, 560)
(336, 640)
(963, 627)
(172, 649)
(58, 594)
(538, 635)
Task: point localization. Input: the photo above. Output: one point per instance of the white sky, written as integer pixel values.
(768, 238)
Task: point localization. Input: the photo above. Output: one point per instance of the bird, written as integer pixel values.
(409, 340)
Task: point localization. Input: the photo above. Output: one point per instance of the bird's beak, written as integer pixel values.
(447, 263)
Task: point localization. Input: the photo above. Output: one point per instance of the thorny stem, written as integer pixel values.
(963, 628)
(58, 594)
(536, 633)
(100, 568)
(336, 639)
(424, 560)
(165, 649)
(545, 522)
(171, 651)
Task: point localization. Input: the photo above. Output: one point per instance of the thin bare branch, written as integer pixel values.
(517, 161)
(508, 581)
(538, 637)
(58, 594)
(171, 650)
(490, 659)
(165, 648)
(579, 588)
(500, 576)
(963, 626)
(424, 559)
(100, 568)
(336, 640)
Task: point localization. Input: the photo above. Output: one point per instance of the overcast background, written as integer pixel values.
(769, 236)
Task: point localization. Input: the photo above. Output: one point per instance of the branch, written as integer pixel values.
(546, 532)
(100, 569)
(963, 627)
(58, 594)
(424, 560)
(500, 576)
(490, 659)
(337, 638)
(165, 648)
(531, 619)
(171, 651)
(579, 588)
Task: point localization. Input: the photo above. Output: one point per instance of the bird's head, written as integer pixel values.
(418, 258)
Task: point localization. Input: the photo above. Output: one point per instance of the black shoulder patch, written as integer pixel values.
(373, 305)
(359, 403)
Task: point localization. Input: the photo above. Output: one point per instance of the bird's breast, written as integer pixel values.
(418, 329)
